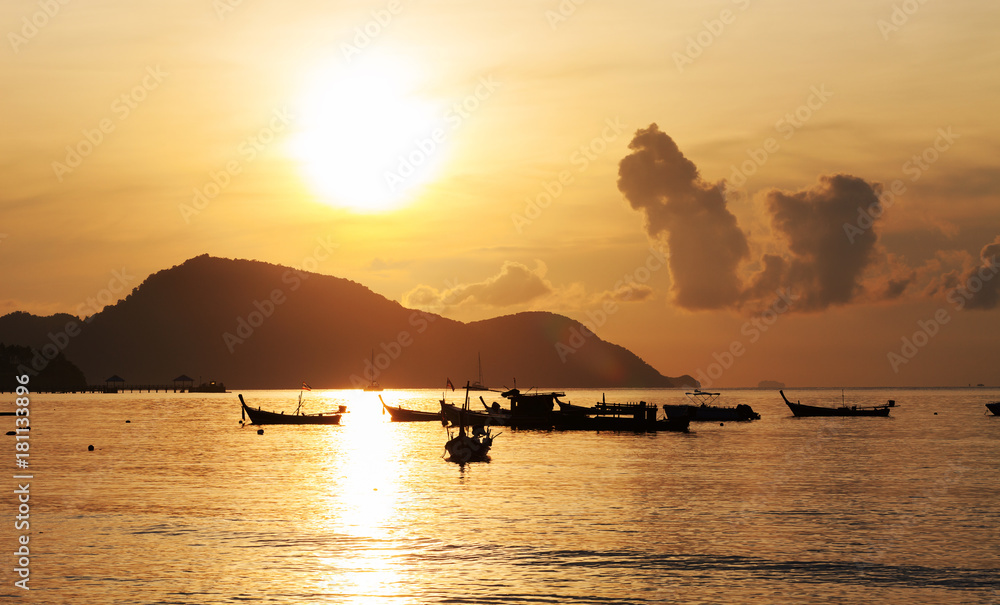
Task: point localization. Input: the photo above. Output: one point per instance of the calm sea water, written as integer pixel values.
(183, 505)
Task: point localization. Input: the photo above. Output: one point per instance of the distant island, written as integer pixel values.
(260, 325)
(770, 384)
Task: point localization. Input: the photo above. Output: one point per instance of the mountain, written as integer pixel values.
(54, 373)
(257, 325)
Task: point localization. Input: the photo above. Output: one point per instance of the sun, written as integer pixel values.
(367, 139)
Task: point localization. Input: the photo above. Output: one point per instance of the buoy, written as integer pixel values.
(935, 413)
(722, 424)
(11, 433)
(90, 448)
(260, 431)
(128, 422)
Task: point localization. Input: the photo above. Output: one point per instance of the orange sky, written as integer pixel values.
(465, 157)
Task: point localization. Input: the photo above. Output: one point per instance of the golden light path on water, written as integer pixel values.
(361, 501)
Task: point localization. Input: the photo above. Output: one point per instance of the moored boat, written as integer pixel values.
(604, 416)
(209, 387)
(799, 409)
(470, 443)
(401, 414)
(456, 415)
(701, 409)
(260, 416)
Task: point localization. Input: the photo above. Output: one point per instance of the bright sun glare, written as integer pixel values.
(365, 137)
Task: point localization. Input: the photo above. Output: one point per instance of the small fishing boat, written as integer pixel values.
(701, 409)
(401, 414)
(994, 406)
(470, 443)
(799, 409)
(532, 410)
(209, 387)
(260, 416)
(604, 416)
(456, 415)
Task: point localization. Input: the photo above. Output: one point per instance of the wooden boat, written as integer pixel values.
(604, 416)
(209, 387)
(469, 446)
(400, 414)
(994, 406)
(469, 443)
(260, 416)
(701, 409)
(532, 410)
(799, 409)
(456, 415)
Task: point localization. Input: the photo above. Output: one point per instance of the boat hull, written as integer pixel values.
(404, 415)
(260, 416)
(455, 415)
(994, 407)
(463, 448)
(801, 410)
(711, 413)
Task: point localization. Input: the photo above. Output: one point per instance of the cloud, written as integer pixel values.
(630, 292)
(824, 266)
(706, 244)
(980, 285)
(710, 260)
(515, 284)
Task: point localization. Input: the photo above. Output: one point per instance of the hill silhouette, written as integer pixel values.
(258, 325)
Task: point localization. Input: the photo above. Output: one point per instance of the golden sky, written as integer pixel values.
(468, 158)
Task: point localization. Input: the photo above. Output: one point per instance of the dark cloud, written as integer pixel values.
(825, 266)
(706, 245)
(710, 254)
(980, 286)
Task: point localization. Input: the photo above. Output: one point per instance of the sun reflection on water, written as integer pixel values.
(364, 498)
(361, 501)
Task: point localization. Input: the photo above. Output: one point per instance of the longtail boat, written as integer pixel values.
(799, 409)
(401, 414)
(260, 416)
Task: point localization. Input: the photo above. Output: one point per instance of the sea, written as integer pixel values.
(180, 503)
